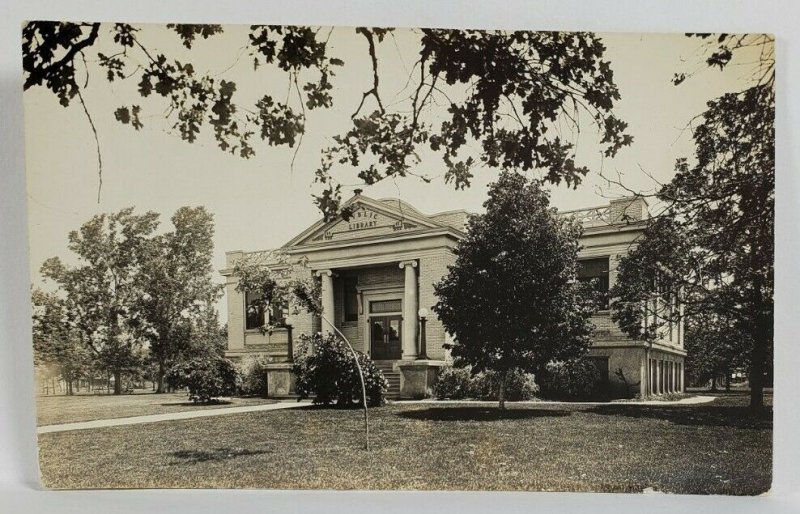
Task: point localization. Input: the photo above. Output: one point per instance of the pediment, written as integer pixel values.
(369, 219)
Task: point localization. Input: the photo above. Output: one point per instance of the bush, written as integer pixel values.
(453, 383)
(205, 377)
(576, 379)
(253, 373)
(457, 383)
(520, 386)
(325, 369)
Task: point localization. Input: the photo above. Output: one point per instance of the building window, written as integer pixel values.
(278, 313)
(595, 271)
(254, 311)
(351, 298)
(385, 306)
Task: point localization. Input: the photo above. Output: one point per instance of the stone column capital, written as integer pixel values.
(323, 272)
(411, 263)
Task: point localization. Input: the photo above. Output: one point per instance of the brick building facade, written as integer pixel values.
(377, 271)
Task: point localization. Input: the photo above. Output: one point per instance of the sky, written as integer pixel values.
(262, 202)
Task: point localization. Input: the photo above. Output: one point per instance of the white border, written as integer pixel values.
(18, 471)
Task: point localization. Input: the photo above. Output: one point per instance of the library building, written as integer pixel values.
(377, 272)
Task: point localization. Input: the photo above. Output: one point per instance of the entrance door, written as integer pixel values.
(385, 337)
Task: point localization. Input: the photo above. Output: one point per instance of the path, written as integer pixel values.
(172, 416)
(692, 400)
(290, 404)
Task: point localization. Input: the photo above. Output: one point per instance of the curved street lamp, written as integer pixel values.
(360, 375)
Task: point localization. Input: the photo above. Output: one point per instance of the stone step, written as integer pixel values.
(392, 376)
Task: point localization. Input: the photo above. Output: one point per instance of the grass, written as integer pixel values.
(52, 410)
(709, 448)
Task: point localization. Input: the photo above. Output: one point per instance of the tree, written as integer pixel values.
(99, 293)
(510, 92)
(714, 348)
(56, 342)
(177, 290)
(512, 299)
(712, 246)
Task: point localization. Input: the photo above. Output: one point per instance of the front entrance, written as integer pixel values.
(385, 337)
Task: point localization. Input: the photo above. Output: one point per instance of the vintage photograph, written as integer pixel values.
(295, 257)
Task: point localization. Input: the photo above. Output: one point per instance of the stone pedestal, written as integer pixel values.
(280, 380)
(417, 378)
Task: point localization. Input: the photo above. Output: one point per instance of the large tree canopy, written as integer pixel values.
(519, 95)
(132, 294)
(512, 299)
(713, 241)
(176, 288)
(99, 294)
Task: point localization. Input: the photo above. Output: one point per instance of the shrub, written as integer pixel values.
(570, 380)
(519, 385)
(453, 383)
(325, 369)
(253, 373)
(205, 377)
(456, 383)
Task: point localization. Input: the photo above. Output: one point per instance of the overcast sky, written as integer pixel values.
(258, 203)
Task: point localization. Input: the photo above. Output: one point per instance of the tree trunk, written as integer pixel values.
(501, 395)
(714, 384)
(757, 367)
(117, 382)
(160, 377)
(727, 381)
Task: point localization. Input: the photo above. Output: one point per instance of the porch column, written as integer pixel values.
(643, 378)
(327, 300)
(676, 382)
(410, 307)
(659, 387)
(674, 374)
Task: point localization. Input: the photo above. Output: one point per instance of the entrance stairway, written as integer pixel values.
(393, 377)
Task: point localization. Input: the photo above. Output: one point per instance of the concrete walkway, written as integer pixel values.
(692, 400)
(172, 416)
(291, 404)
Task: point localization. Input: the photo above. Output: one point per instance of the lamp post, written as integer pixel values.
(289, 322)
(423, 317)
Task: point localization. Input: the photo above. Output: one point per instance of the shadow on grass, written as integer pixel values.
(479, 414)
(692, 415)
(215, 455)
(196, 404)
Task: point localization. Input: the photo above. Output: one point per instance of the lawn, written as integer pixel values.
(52, 410)
(710, 448)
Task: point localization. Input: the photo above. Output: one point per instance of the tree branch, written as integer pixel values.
(375, 80)
(97, 145)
